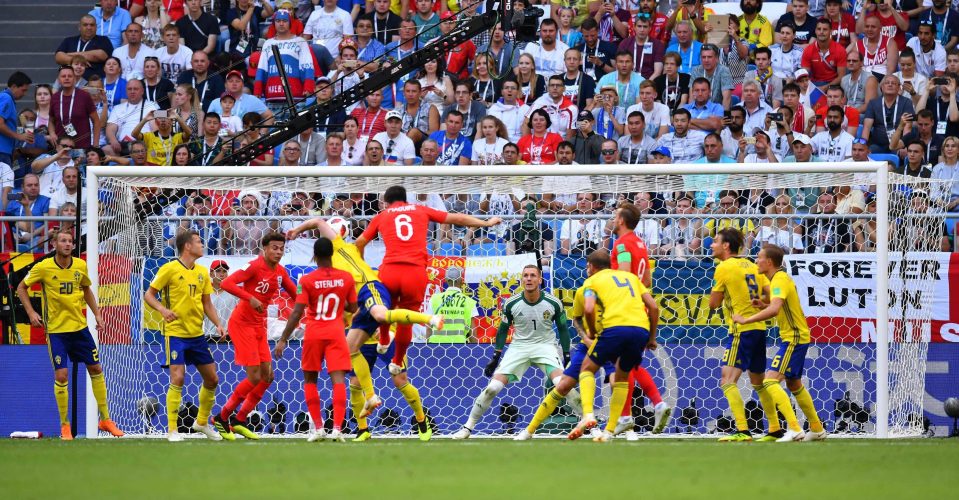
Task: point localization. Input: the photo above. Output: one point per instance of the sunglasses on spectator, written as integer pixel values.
(609, 151)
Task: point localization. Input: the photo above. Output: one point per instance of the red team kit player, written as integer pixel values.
(257, 285)
(404, 229)
(326, 293)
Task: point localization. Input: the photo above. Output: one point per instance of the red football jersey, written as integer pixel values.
(630, 250)
(257, 280)
(404, 228)
(325, 293)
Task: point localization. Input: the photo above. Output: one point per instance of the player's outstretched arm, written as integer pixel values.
(35, 319)
(91, 301)
(291, 323)
(769, 312)
(210, 310)
(151, 300)
(470, 221)
(315, 223)
(652, 310)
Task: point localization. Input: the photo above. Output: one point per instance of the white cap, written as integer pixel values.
(799, 73)
(803, 138)
(394, 114)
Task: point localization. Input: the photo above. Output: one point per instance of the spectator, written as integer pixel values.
(762, 150)
(770, 85)
(865, 233)
(374, 154)
(291, 156)
(488, 148)
(539, 146)
(243, 236)
(803, 25)
(17, 85)
(680, 238)
(913, 84)
(625, 80)
(198, 29)
(153, 19)
(186, 104)
(437, 87)
(208, 85)
(561, 110)
(385, 23)
(598, 54)
(73, 113)
(580, 88)
(138, 155)
(111, 21)
(245, 103)
(786, 57)
(430, 152)
(31, 203)
(296, 23)
(175, 58)
(781, 231)
(456, 149)
(756, 109)
(547, 51)
(42, 95)
(826, 235)
(353, 144)
(252, 123)
(610, 117)
(473, 110)
(915, 164)
(718, 75)
(849, 200)
(707, 115)
(313, 147)
(587, 144)
(49, 167)
(229, 122)
(530, 235)
(883, 113)
(407, 44)
(156, 88)
(754, 27)
(933, 60)
(613, 22)
(80, 66)
(92, 47)
(334, 150)
(182, 155)
(210, 148)
(685, 145)
(296, 58)
(532, 86)
(879, 52)
(610, 153)
(69, 186)
(729, 205)
(672, 87)
(649, 230)
(133, 54)
(511, 155)
(223, 301)
(925, 233)
(567, 33)
(418, 117)
(114, 85)
(946, 194)
(510, 111)
(125, 116)
(328, 25)
(636, 144)
(939, 17)
(859, 86)
(836, 96)
(428, 28)
(893, 23)
(804, 197)
(368, 47)
(244, 27)
(581, 236)
(688, 49)
(399, 148)
(833, 144)
(372, 116)
(647, 52)
(162, 140)
(945, 113)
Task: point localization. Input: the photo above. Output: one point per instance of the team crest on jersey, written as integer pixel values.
(76, 276)
(547, 315)
(173, 355)
(58, 359)
(279, 281)
(200, 279)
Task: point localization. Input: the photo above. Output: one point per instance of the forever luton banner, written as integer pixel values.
(838, 295)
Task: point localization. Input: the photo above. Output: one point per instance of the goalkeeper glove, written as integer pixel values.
(565, 359)
(493, 363)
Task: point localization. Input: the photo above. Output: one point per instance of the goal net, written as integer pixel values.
(862, 247)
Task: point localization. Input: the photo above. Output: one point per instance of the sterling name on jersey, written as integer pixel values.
(533, 323)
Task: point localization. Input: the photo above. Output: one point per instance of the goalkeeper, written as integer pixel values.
(532, 315)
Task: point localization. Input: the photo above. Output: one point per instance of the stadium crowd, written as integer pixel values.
(186, 82)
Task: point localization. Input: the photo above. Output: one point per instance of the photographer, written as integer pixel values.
(49, 168)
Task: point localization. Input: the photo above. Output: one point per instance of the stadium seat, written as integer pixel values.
(450, 250)
(894, 159)
(486, 250)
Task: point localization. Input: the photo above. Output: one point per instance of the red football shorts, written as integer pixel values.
(406, 283)
(250, 347)
(334, 350)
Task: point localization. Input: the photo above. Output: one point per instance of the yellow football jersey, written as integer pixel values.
(793, 327)
(621, 294)
(62, 293)
(741, 282)
(182, 290)
(579, 305)
(347, 258)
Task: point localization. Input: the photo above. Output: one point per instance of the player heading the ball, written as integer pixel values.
(186, 288)
(66, 286)
(326, 293)
(404, 229)
(782, 302)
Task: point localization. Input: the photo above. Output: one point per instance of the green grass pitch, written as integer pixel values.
(479, 468)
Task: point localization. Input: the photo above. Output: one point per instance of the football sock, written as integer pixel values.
(362, 370)
(384, 336)
(339, 405)
(736, 406)
(412, 396)
(207, 398)
(546, 408)
(236, 399)
(781, 401)
(252, 399)
(804, 400)
(627, 408)
(404, 335)
(769, 408)
(483, 401)
(62, 395)
(313, 404)
(587, 390)
(407, 317)
(647, 384)
(174, 395)
(99, 385)
(357, 401)
(617, 401)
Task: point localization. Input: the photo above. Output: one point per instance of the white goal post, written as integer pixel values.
(484, 179)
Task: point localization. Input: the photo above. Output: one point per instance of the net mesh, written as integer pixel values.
(554, 221)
